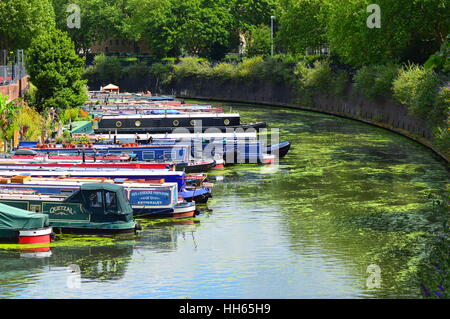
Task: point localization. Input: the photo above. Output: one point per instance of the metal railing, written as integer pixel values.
(12, 68)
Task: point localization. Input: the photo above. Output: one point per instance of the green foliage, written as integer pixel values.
(23, 20)
(417, 88)
(375, 81)
(302, 25)
(410, 30)
(191, 66)
(441, 59)
(258, 42)
(225, 71)
(339, 82)
(105, 70)
(71, 115)
(29, 122)
(137, 70)
(249, 68)
(441, 137)
(317, 77)
(8, 110)
(56, 70)
(100, 20)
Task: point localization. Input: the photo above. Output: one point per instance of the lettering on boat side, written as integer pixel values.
(225, 309)
(61, 210)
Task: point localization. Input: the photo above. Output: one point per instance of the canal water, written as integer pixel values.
(342, 216)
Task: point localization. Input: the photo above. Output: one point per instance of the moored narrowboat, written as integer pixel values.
(20, 226)
(148, 199)
(168, 123)
(96, 208)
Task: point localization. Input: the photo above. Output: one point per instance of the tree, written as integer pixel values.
(258, 41)
(410, 30)
(8, 111)
(22, 20)
(99, 20)
(302, 25)
(56, 70)
(190, 27)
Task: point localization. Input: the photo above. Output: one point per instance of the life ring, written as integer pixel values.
(176, 123)
(118, 124)
(192, 122)
(226, 122)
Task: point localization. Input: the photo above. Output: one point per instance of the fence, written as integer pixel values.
(12, 67)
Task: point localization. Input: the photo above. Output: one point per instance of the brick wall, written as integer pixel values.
(15, 90)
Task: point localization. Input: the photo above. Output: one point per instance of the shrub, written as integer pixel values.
(317, 77)
(250, 67)
(192, 66)
(105, 70)
(339, 82)
(137, 70)
(224, 71)
(375, 81)
(417, 88)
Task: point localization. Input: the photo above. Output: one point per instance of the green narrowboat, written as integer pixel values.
(19, 226)
(96, 208)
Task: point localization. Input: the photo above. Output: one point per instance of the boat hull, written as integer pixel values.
(26, 236)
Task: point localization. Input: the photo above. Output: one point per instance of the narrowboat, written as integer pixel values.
(29, 155)
(167, 154)
(196, 193)
(19, 226)
(245, 143)
(149, 200)
(168, 123)
(95, 208)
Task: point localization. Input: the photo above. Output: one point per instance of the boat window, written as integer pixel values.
(35, 208)
(95, 199)
(168, 155)
(148, 155)
(110, 200)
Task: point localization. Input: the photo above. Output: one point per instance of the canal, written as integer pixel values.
(350, 203)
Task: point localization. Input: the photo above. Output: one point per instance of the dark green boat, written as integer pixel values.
(96, 208)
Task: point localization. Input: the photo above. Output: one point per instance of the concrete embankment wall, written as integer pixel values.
(386, 114)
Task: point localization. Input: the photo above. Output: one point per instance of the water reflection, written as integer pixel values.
(348, 195)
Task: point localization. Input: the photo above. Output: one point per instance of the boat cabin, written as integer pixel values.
(95, 207)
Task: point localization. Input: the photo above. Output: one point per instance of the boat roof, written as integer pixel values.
(16, 218)
(250, 134)
(184, 115)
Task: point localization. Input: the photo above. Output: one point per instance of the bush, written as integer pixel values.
(192, 66)
(375, 81)
(137, 70)
(224, 71)
(339, 82)
(250, 67)
(318, 77)
(417, 88)
(105, 70)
